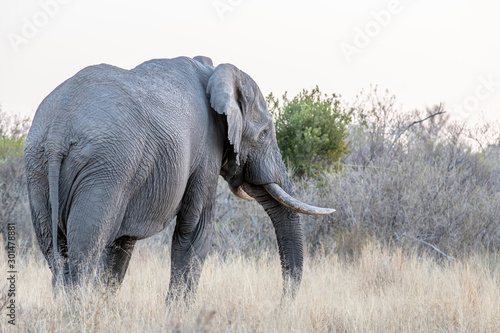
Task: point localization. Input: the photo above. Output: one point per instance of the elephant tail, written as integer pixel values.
(54, 163)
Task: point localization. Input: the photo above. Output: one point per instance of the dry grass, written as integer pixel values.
(382, 290)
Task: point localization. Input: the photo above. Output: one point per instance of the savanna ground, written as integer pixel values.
(413, 247)
(380, 291)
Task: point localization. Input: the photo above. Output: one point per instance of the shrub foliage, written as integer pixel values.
(311, 130)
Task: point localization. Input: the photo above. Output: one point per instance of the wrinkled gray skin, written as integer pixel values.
(114, 155)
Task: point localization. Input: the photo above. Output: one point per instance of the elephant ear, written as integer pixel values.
(226, 88)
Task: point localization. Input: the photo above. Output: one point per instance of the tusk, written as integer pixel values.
(287, 200)
(240, 193)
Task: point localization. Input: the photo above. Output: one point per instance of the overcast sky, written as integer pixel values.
(424, 52)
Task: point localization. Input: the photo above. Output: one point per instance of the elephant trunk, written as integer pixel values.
(289, 236)
(290, 244)
(267, 182)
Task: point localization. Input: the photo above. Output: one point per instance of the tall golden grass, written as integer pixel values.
(381, 290)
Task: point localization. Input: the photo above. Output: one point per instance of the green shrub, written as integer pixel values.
(13, 132)
(311, 131)
(11, 147)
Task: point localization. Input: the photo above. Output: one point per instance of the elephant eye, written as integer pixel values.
(263, 134)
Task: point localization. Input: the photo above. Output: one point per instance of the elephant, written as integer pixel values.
(114, 155)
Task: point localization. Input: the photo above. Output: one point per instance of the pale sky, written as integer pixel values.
(424, 52)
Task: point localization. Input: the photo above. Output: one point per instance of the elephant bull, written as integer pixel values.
(114, 155)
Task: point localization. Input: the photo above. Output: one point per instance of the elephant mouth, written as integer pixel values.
(285, 199)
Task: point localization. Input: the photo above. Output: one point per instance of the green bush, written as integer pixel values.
(11, 147)
(13, 132)
(311, 131)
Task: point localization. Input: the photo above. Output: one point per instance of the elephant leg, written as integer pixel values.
(94, 217)
(42, 225)
(115, 261)
(191, 242)
(63, 267)
(190, 245)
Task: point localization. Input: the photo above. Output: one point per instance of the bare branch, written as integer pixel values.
(450, 258)
(398, 135)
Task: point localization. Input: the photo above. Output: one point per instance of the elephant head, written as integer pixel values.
(252, 164)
